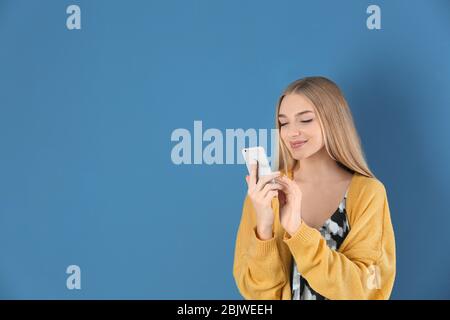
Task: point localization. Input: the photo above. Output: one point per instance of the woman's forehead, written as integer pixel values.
(295, 104)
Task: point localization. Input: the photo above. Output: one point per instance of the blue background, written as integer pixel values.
(86, 117)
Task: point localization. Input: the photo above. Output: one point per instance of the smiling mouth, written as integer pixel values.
(297, 144)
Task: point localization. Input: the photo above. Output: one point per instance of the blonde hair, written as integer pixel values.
(341, 138)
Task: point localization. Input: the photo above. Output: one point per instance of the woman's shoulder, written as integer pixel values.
(367, 196)
(368, 185)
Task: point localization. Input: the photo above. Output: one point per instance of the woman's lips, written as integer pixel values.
(297, 144)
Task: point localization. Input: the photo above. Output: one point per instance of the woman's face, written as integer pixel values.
(299, 123)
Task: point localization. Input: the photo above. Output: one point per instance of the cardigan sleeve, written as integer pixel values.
(258, 269)
(365, 267)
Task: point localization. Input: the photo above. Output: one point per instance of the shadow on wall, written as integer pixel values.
(390, 118)
(441, 9)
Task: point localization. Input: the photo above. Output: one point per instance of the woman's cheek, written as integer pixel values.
(282, 135)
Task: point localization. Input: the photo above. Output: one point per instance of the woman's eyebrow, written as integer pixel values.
(297, 114)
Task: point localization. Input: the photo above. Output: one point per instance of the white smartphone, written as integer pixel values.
(254, 154)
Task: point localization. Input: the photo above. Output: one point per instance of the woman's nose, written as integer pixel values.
(294, 133)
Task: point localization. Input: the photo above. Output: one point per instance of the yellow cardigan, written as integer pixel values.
(362, 268)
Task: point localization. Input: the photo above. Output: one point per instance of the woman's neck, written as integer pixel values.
(319, 168)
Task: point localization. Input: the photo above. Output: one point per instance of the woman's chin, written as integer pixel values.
(297, 154)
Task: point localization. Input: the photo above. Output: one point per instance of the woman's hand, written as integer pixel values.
(261, 192)
(290, 199)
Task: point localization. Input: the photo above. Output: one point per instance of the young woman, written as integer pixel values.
(320, 227)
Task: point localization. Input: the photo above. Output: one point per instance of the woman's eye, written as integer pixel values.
(303, 121)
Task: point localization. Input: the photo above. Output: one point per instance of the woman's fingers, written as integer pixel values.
(252, 179)
(270, 195)
(284, 182)
(270, 187)
(265, 179)
(289, 182)
(290, 188)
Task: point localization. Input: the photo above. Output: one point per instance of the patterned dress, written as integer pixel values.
(334, 231)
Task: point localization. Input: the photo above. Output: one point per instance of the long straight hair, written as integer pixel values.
(341, 138)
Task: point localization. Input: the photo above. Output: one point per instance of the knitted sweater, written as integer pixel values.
(362, 268)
